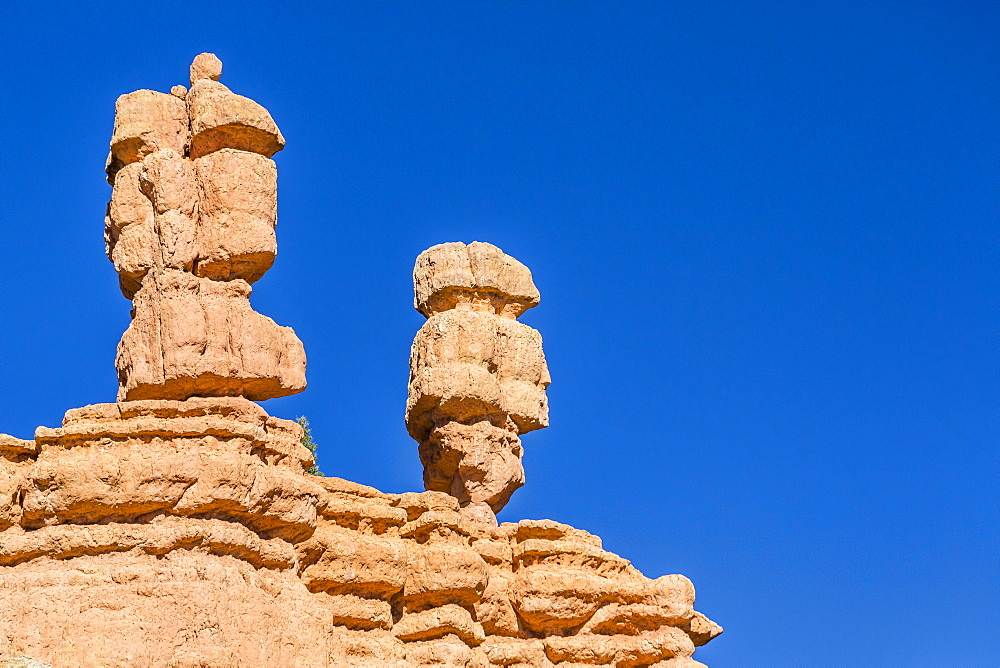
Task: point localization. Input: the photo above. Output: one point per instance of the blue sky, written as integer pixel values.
(764, 234)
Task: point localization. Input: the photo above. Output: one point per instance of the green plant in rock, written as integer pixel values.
(307, 440)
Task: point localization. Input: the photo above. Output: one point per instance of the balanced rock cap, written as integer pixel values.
(206, 66)
(146, 121)
(223, 119)
(443, 272)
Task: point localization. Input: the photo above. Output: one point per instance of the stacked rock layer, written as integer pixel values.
(189, 227)
(477, 375)
(178, 526)
(186, 533)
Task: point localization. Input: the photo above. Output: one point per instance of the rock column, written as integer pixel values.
(189, 227)
(184, 527)
(477, 375)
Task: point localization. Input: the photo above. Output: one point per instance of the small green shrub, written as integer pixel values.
(307, 440)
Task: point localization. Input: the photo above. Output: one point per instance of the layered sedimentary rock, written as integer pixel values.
(189, 227)
(186, 533)
(178, 526)
(477, 375)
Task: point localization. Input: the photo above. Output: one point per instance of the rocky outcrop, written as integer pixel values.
(178, 526)
(186, 533)
(189, 227)
(477, 376)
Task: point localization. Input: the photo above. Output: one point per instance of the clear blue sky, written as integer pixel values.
(765, 234)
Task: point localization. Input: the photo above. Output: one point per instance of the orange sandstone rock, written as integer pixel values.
(190, 224)
(223, 119)
(164, 519)
(195, 337)
(206, 66)
(146, 122)
(452, 273)
(177, 526)
(238, 212)
(477, 376)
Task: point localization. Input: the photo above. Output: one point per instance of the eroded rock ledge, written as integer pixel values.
(178, 527)
(187, 533)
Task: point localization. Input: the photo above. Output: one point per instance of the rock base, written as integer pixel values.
(186, 533)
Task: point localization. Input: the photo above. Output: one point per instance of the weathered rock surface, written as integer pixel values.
(23, 662)
(238, 213)
(206, 66)
(477, 273)
(190, 223)
(477, 376)
(195, 337)
(223, 119)
(186, 533)
(146, 122)
(178, 526)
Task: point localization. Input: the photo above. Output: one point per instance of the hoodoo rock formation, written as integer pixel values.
(189, 227)
(477, 376)
(178, 526)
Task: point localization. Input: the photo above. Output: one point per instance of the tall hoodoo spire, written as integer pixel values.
(189, 227)
(477, 375)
